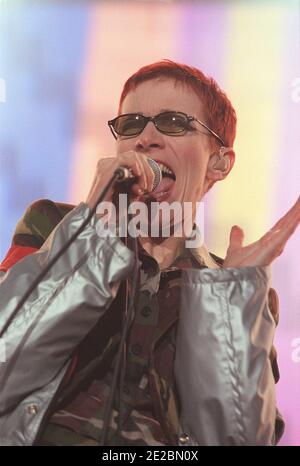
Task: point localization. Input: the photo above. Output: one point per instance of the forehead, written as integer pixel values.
(160, 94)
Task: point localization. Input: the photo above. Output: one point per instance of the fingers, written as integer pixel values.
(267, 248)
(272, 244)
(148, 174)
(236, 239)
(284, 228)
(140, 168)
(293, 213)
(277, 238)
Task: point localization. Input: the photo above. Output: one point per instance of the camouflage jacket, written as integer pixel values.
(167, 422)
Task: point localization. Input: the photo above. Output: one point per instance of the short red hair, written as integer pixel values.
(220, 115)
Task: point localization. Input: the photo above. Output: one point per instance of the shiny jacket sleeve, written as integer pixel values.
(62, 309)
(222, 367)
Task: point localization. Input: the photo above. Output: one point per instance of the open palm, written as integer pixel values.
(268, 247)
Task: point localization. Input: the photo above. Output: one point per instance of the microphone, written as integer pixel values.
(125, 175)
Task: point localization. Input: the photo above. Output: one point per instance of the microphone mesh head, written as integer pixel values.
(157, 173)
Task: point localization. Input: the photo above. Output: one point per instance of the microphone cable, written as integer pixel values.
(119, 372)
(121, 358)
(119, 174)
(43, 273)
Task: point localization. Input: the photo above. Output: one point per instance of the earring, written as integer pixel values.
(221, 164)
(224, 150)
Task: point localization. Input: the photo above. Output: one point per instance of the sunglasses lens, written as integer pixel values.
(128, 125)
(171, 122)
(167, 122)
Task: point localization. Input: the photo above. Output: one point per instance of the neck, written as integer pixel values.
(163, 250)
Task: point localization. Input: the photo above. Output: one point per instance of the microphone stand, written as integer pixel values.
(53, 261)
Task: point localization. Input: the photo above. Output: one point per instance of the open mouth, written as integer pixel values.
(166, 171)
(163, 190)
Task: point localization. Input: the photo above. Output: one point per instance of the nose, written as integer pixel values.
(150, 138)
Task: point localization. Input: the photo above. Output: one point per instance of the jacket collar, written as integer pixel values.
(204, 258)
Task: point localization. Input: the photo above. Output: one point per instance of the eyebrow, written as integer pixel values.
(167, 110)
(160, 111)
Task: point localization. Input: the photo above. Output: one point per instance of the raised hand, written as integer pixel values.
(268, 247)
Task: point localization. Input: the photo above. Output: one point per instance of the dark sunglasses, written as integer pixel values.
(171, 123)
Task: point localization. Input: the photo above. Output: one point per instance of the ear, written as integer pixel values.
(219, 165)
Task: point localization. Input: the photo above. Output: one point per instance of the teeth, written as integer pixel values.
(161, 194)
(165, 169)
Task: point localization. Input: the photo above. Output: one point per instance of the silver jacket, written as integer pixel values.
(225, 333)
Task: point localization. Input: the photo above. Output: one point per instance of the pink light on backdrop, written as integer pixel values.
(286, 271)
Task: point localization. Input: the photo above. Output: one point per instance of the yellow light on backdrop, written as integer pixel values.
(253, 66)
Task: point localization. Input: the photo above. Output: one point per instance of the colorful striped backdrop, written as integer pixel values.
(62, 67)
